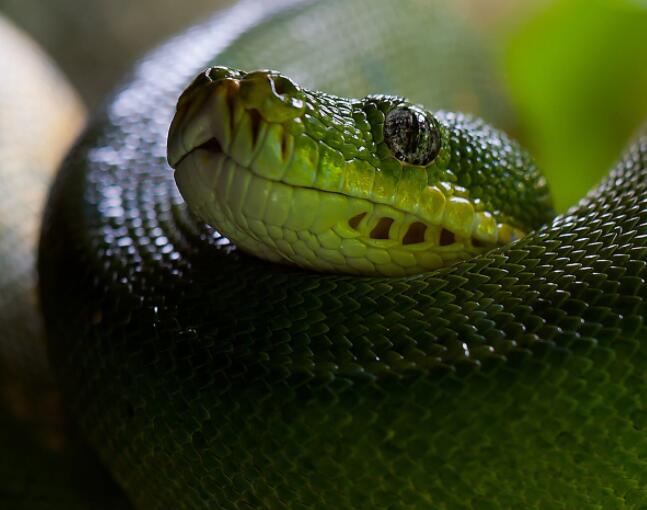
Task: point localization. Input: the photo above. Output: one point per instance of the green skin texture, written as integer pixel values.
(208, 378)
(272, 128)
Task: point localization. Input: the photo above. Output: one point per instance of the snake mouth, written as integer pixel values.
(246, 165)
(212, 145)
(316, 229)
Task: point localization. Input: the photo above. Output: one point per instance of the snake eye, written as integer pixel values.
(412, 135)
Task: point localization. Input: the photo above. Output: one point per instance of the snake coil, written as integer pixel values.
(209, 379)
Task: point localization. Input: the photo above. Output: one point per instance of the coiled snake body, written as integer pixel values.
(207, 378)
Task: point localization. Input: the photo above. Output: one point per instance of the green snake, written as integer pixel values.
(207, 377)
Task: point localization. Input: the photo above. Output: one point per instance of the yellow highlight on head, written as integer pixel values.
(431, 205)
(459, 216)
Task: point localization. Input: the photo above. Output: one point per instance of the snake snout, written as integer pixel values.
(231, 109)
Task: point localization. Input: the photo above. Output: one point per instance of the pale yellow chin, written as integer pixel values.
(323, 231)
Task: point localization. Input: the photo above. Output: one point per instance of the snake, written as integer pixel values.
(339, 297)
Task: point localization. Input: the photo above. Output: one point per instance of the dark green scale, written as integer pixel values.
(484, 163)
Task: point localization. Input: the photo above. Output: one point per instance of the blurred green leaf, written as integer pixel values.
(578, 75)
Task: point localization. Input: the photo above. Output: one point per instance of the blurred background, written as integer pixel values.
(576, 70)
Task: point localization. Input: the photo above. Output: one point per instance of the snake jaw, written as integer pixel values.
(328, 231)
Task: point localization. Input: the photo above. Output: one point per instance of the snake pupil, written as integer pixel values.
(411, 136)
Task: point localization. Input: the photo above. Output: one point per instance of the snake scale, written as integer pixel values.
(208, 378)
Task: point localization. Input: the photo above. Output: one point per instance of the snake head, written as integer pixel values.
(376, 185)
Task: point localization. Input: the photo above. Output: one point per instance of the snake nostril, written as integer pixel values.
(218, 73)
(382, 229)
(415, 233)
(283, 85)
